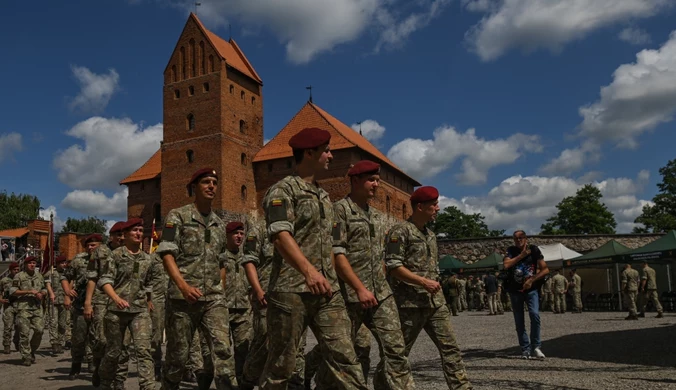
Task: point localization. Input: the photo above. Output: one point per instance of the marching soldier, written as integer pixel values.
(9, 309)
(159, 296)
(192, 249)
(649, 289)
(498, 295)
(629, 280)
(412, 260)
(29, 289)
(58, 320)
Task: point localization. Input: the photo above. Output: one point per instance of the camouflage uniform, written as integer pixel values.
(559, 292)
(77, 273)
(408, 246)
(629, 280)
(462, 287)
(258, 250)
(650, 290)
(498, 297)
(239, 308)
(198, 250)
(304, 210)
(159, 295)
(29, 314)
(131, 276)
(8, 314)
(452, 287)
(576, 282)
(59, 314)
(547, 295)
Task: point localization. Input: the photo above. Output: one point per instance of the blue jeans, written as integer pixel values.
(531, 299)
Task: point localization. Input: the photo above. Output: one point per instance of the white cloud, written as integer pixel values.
(109, 224)
(310, 27)
(479, 5)
(96, 90)
(427, 158)
(548, 24)
(635, 36)
(113, 149)
(9, 144)
(370, 129)
(96, 203)
(526, 202)
(641, 96)
(572, 160)
(45, 214)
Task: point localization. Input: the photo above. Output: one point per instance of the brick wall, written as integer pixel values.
(144, 201)
(70, 244)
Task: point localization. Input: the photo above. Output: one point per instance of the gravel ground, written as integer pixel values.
(587, 351)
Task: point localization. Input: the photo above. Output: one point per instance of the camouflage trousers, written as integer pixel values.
(258, 353)
(97, 333)
(27, 320)
(559, 302)
(195, 361)
(577, 300)
(80, 335)
(157, 319)
(241, 333)
(9, 324)
(463, 301)
(140, 327)
(437, 325)
(651, 295)
(630, 297)
(454, 305)
(315, 363)
(547, 301)
(58, 324)
(182, 321)
(289, 315)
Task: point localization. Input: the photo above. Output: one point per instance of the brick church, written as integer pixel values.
(213, 117)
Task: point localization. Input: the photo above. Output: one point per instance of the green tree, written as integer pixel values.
(661, 216)
(84, 225)
(456, 224)
(17, 210)
(583, 213)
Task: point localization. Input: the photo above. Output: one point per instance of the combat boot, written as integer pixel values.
(158, 374)
(7, 350)
(659, 315)
(32, 358)
(75, 369)
(204, 381)
(27, 362)
(641, 315)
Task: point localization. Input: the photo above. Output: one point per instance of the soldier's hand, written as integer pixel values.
(260, 297)
(66, 302)
(367, 299)
(431, 286)
(39, 295)
(122, 304)
(88, 312)
(191, 294)
(3, 301)
(72, 293)
(151, 307)
(52, 298)
(317, 283)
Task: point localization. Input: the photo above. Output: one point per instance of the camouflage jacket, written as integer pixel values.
(160, 283)
(23, 281)
(236, 283)
(5, 285)
(197, 249)
(77, 273)
(452, 285)
(131, 275)
(650, 278)
(259, 251)
(305, 211)
(547, 286)
(629, 280)
(94, 272)
(559, 284)
(408, 246)
(462, 286)
(360, 236)
(54, 279)
(576, 283)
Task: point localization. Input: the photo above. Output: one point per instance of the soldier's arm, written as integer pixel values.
(14, 290)
(105, 282)
(394, 259)
(169, 250)
(253, 251)
(48, 283)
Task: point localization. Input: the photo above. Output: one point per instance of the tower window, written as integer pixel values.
(191, 90)
(242, 158)
(205, 87)
(242, 126)
(211, 63)
(403, 211)
(232, 88)
(190, 122)
(243, 192)
(190, 155)
(143, 186)
(241, 95)
(269, 167)
(177, 94)
(387, 204)
(253, 100)
(173, 73)
(157, 213)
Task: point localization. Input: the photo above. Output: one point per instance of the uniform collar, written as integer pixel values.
(197, 216)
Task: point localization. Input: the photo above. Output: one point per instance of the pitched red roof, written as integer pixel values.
(342, 137)
(150, 170)
(16, 233)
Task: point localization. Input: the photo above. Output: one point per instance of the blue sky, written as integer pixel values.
(505, 106)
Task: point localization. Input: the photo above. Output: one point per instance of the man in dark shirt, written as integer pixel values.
(525, 266)
(491, 283)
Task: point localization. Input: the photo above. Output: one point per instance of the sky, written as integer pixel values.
(506, 106)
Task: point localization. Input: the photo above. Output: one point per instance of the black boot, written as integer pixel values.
(158, 374)
(204, 381)
(96, 379)
(74, 370)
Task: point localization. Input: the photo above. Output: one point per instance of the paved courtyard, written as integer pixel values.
(587, 351)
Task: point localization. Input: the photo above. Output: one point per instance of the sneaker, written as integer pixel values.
(525, 355)
(538, 353)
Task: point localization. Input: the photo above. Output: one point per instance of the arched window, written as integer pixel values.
(242, 126)
(241, 95)
(183, 62)
(387, 204)
(157, 213)
(211, 63)
(403, 211)
(190, 155)
(253, 100)
(242, 158)
(243, 192)
(191, 90)
(173, 73)
(269, 167)
(177, 94)
(203, 61)
(190, 122)
(193, 58)
(232, 88)
(205, 87)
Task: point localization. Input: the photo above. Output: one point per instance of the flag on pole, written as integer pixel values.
(48, 255)
(154, 239)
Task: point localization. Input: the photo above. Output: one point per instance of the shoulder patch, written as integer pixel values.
(250, 245)
(393, 246)
(336, 231)
(169, 232)
(15, 283)
(277, 210)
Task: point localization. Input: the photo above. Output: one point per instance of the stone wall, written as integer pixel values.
(473, 249)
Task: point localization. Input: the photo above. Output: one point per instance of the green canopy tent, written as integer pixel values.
(492, 262)
(660, 251)
(448, 264)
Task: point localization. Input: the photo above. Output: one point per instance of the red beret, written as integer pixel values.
(93, 238)
(424, 194)
(234, 225)
(132, 222)
(15, 265)
(309, 138)
(200, 173)
(30, 258)
(60, 259)
(118, 226)
(364, 166)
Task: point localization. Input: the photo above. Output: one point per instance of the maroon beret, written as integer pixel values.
(200, 173)
(424, 194)
(364, 166)
(29, 259)
(60, 259)
(118, 226)
(93, 238)
(15, 265)
(234, 225)
(132, 222)
(309, 138)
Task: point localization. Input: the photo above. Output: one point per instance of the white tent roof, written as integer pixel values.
(555, 254)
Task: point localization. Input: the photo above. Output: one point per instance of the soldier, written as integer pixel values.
(559, 289)
(257, 263)
(300, 219)
(29, 289)
(159, 288)
(412, 261)
(127, 276)
(470, 293)
(453, 286)
(481, 292)
(237, 295)
(498, 295)
(576, 284)
(649, 289)
(462, 289)
(192, 251)
(547, 295)
(629, 280)
(9, 309)
(57, 328)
